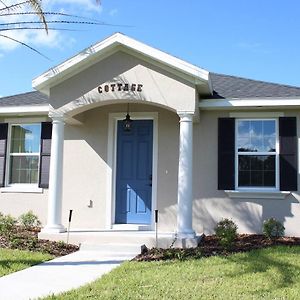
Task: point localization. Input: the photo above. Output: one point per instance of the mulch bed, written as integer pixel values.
(209, 246)
(27, 239)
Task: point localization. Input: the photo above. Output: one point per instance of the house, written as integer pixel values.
(123, 129)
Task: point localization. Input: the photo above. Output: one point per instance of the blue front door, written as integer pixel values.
(134, 173)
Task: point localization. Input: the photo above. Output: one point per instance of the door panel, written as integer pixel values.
(134, 173)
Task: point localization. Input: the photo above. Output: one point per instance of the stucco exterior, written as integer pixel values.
(85, 178)
(85, 105)
(211, 205)
(160, 87)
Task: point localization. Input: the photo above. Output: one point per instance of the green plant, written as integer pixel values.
(273, 228)
(16, 242)
(62, 244)
(7, 224)
(29, 220)
(226, 232)
(32, 243)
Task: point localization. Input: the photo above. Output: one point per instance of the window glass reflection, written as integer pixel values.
(25, 138)
(256, 136)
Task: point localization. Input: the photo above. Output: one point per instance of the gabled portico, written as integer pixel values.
(107, 77)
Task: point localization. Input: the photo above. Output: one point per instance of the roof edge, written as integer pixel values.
(49, 78)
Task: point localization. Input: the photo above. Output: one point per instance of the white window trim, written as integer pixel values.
(22, 188)
(260, 191)
(19, 187)
(257, 194)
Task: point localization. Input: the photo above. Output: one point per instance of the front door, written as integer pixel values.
(134, 173)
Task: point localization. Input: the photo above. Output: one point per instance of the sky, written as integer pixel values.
(257, 39)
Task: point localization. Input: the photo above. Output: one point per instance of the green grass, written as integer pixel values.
(16, 260)
(272, 273)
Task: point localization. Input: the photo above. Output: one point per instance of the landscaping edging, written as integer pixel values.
(209, 246)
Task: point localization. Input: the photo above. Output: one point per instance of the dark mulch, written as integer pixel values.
(27, 239)
(209, 246)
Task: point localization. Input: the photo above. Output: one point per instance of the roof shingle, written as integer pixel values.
(30, 98)
(226, 86)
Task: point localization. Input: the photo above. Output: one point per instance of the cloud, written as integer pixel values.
(253, 47)
(74, 5)
(113, 12)
(38, 38)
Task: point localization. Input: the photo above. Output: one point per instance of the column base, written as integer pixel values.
(179, 242)
(53, 229)
(190, 234)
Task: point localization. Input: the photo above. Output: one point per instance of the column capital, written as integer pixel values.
(57, 119)
(56, 115)
(185, 116)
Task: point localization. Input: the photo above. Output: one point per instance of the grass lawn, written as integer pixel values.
(272, 273)
(16, 260)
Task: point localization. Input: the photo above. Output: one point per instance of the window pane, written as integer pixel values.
(25, 138)
(243, 136)
(24, 169)
(244, 178)
(256, 136)
(256, 170)
(244, 163)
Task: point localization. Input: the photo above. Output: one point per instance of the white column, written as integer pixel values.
(56, 175)
(185, 178)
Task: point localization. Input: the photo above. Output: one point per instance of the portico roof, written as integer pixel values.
(118, 41)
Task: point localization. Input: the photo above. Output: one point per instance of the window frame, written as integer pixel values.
(22, 187)
(277, 174)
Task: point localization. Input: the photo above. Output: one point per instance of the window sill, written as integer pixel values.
(257, 194)
(23, 189)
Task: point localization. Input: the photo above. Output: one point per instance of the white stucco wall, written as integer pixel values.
(85, 166)
(80, 92)
(211, 205)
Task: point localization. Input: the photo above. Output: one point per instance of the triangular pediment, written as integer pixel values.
(119, 42)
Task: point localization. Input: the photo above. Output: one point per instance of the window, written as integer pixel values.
(24, 154)
(256, 153)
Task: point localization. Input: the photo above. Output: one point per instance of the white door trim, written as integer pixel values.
(112, 163)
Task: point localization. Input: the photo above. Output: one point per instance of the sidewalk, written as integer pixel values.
(59, 275)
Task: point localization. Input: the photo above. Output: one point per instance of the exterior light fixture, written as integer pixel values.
(127, 122)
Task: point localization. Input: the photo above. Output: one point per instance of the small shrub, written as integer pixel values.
(7, 224)
(29, 220)
(273, 228)
(62, 244)
(226, 232)
(32, 243)
(16, 242)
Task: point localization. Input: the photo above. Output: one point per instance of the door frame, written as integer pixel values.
(112, 167)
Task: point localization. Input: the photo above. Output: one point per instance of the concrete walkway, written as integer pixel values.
(60, 274)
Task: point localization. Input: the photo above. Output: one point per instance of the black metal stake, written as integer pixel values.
(156, 225)
(70, 219)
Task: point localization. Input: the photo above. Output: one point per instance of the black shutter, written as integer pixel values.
(46, 135)
(226, 152)
(3, 146)
(288, 153)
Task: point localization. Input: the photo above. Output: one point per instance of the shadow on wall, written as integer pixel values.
(249, 214)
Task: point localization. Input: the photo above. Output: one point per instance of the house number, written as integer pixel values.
(125, 87)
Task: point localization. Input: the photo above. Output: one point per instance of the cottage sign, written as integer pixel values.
(119, 87)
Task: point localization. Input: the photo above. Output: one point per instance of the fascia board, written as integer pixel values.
(25, 110)
(244, 103)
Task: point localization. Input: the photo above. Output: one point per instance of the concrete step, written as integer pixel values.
(112, 249)
(121, 239)
(108, 237)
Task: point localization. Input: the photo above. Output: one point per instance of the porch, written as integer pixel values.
(123, 240)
